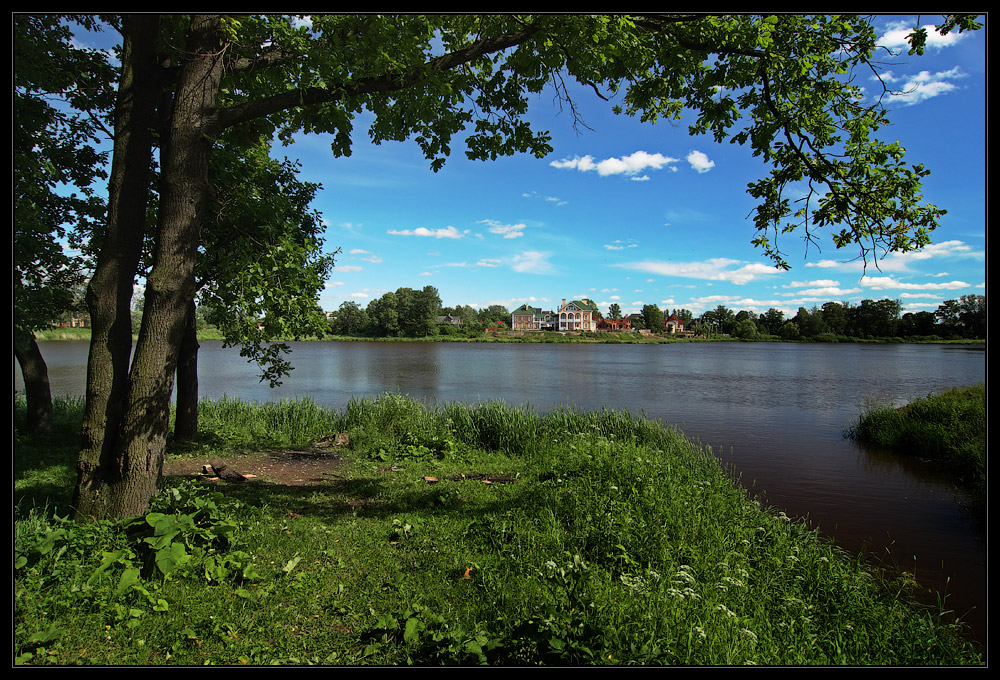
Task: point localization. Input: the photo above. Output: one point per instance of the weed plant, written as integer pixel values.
(603, 539)
(949, 427)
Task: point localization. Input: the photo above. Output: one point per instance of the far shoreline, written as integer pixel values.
(545, 337)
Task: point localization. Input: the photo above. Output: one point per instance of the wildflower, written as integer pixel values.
(684, 574)
(725, 610)
(749, 634)
(689, 594)
(699, 631)
(636, 583)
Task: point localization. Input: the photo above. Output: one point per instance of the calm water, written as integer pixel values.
(774, 412)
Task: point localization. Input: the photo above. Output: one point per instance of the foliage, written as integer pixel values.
(652, 317)
(868, 320)
(56, 164)
(267, 288)
(616, 542)
(781, 84)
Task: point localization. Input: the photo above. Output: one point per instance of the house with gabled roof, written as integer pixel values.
(673, 324)
(578, 315)
(528, 318)
(620, 324)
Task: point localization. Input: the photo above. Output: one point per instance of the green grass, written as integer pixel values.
(949, 427)
(617, 542)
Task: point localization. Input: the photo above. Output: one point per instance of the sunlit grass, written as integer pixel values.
(605, 538)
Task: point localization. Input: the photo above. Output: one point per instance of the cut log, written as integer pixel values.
(223, 471)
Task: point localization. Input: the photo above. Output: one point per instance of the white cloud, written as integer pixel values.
(883, 282)
(896, 33)
(715, 269)
(618, 244)
(627, 165)
(925, 85)
(349, 268)
(835, 292)
(532, 262)
(901, 262)
(505, 230)
(808, 284)
(699, 161)
(485, 262)
(446, 232)
(547, 199)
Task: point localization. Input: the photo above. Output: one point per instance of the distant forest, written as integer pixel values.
(412, 313)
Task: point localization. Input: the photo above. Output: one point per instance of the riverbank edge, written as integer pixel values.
(81, 334)
(947, 428)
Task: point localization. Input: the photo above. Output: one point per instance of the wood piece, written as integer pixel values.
(225, 472)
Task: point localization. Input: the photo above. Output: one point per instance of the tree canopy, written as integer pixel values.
(783, 85)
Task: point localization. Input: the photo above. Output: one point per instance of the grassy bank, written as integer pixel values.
(949, 427)
(603, 539)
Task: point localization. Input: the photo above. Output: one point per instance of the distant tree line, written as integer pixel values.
(954, 319)
(410, 313)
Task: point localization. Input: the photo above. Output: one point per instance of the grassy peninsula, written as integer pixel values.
(949, 427)
(455, 534)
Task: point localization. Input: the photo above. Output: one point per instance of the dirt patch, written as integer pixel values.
(318, 465)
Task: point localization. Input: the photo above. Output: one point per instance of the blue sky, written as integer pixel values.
(637, 214)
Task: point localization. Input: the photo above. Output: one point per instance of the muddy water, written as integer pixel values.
(775, 413)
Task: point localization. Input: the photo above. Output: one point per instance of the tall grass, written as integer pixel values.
(613, 540)
(948, 427)
(236, 423)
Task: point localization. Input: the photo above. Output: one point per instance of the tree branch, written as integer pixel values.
(369, 85)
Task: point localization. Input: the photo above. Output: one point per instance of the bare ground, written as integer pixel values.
(289, 468)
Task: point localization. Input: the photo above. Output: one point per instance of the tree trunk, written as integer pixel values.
(109, 293)
(36, 384)
(136, 461)
(186, 422)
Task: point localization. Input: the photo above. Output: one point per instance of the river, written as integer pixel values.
(774, 413)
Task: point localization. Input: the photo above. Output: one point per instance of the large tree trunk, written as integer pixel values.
(38, 419)
(136, 460)
(186, 421)
(109, 293)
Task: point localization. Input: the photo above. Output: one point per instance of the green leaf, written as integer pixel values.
(291, 564)
(412, 630)
(171, 557)
(128, 578)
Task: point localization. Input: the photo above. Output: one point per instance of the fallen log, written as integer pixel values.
(226, 473)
